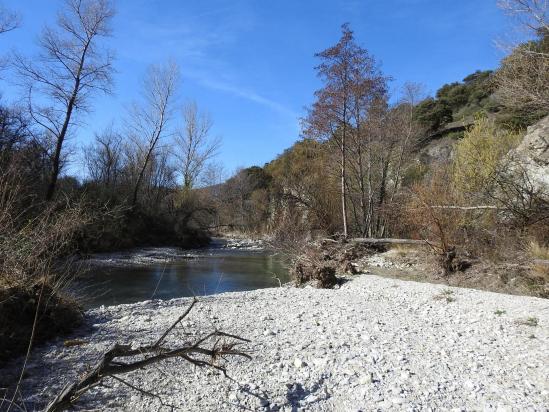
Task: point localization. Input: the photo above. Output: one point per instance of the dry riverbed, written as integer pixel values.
(373, 344)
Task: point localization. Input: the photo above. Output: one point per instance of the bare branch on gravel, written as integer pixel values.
(207, 351)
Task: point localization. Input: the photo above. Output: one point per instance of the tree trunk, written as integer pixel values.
(343, 179)
(62, 134)
(361, 173)
(154, 140)
(368, 227)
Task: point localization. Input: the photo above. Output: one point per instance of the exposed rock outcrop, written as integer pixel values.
(533, 152)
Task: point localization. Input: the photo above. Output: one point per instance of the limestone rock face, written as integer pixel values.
(536, 142)
(534, 151)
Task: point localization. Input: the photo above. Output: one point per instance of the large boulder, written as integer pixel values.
(533, 151)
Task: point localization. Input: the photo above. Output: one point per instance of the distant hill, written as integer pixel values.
(452, 110)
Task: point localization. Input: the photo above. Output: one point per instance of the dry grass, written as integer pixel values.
(34, 270)
(538, 251)
(447, 295)
(57, 313)
(531, 321)
(34, 239)
(541, 270)
(403, 250)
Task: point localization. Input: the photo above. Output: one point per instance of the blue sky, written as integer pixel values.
(250, 63)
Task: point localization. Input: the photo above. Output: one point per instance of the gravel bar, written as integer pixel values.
(373, 344)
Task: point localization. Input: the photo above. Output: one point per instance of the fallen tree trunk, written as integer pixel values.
(377, 241)
(111, 364)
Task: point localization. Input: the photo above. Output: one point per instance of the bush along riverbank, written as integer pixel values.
(372, 343)
(320, 263)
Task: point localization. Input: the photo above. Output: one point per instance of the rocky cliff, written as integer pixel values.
(533, 152)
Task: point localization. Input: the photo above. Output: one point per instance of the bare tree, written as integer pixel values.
(352, 82)
(104, 157)
(148, 121)
(9, 20)
(195, 146)
(329, 116)
(160, 177)
(71, 67)
(212, 179)
(412, 94)
(532, 14)
(524, 75)
(523, 79)
(214, 174)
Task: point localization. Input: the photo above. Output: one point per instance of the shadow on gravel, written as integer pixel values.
(342, 280)
(297, 393)
(297, 397)
(262, 397)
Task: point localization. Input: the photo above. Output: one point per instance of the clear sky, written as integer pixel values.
(250, 63)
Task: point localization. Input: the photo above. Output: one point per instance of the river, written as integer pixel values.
(166, 273)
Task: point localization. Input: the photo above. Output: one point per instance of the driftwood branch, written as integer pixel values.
(198, 353)
(461, 208)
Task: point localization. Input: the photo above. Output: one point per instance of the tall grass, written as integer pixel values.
(538, 251)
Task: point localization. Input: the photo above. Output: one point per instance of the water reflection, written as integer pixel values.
(215, 271)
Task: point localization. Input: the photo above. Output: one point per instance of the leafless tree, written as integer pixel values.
(368, 161)
(70, 68)
(160, 177)
(213, 175)
(195, 145)
(524, 74)
(352, 83)
(330, 114)
(402, 130)
(104, 157)
(523, 78)
(378, 152)
(518, 195)
(532, 14)
(412, 94)
(148, 121)
(9, 20)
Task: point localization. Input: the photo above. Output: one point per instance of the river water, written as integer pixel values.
(165, 273)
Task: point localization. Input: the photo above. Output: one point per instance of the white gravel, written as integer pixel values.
(373, 344)
(244, 244)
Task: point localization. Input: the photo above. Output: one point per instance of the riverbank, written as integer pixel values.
(515, 277)
(374, 343)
